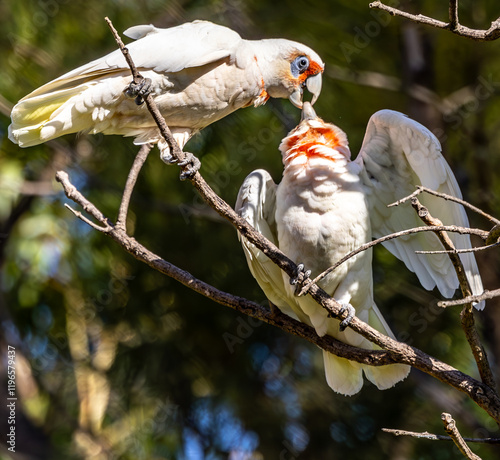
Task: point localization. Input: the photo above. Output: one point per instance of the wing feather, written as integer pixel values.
(256, 203)
(169, 50)
(398, 154)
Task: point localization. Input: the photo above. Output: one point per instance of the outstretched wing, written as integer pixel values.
(163, 50)
(256, 203)
(398, 154)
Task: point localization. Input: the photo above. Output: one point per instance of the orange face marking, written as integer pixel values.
(313, 69)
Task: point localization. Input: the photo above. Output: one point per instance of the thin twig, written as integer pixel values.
(421, 188)
(473, 298)
(142, 155)
(451, 428)
(434, 223)
(137, 77)
(73, 194)
(445, 228)
(453, 14)
(453, 26)
(494, 234)
(460, 251)
(438, 437)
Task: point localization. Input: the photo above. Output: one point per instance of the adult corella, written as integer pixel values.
(327, 205)
(199, 72)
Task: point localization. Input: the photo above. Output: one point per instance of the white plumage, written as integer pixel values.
(327, 205)
(200, 72)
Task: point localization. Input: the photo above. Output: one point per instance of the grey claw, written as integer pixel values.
(140, 90)
(302, 275)
(191, 164)
(351, 312)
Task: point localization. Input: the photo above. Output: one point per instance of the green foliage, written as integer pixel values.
(155, 370)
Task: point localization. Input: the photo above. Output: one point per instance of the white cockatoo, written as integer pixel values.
(199, 72)
(327, 205)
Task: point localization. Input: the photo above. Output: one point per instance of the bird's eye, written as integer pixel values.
(299, 65)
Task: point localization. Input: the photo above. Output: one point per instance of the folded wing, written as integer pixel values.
(256, 203)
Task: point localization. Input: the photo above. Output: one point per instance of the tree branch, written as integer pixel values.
(467, 315)
(142, 155)
(473, 298)
(453, 26)
(445, 228)
(438, 437)
(451, 428)
(444, 196)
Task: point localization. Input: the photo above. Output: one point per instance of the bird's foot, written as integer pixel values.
(139, 90)
(351, 312)
(190, 165)
(301, 276)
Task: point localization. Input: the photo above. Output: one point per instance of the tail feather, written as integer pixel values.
(346, 377)
(33, 118)
(343, 376)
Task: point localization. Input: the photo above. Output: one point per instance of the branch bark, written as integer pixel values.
(438, 437)
(451, 428)
(467, 315)
(453, 26)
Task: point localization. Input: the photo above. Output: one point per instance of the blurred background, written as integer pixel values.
(116, 361)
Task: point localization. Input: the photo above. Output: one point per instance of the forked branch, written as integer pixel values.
(453, 25)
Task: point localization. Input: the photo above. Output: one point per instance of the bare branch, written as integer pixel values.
(445, 228)
(473, 298)
(447, 197)
(438, 437)
(73, 194)
(451, 428)
(85, 219)
(141, 157)
(467, 315)
(453, 26)
(460, 251)
(137, 77)
(453, 14)
(494, 234)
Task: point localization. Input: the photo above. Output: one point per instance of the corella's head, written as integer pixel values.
(314, 139)
(287, 67)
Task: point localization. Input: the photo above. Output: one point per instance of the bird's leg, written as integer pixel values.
(301, 276)
(190, 165)
(139, 90)
(351, 312)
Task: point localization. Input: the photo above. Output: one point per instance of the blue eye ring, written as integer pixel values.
(299, 65)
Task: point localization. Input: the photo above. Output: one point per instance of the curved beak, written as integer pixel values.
(308, 112)
(313, 84)
(296, 97)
